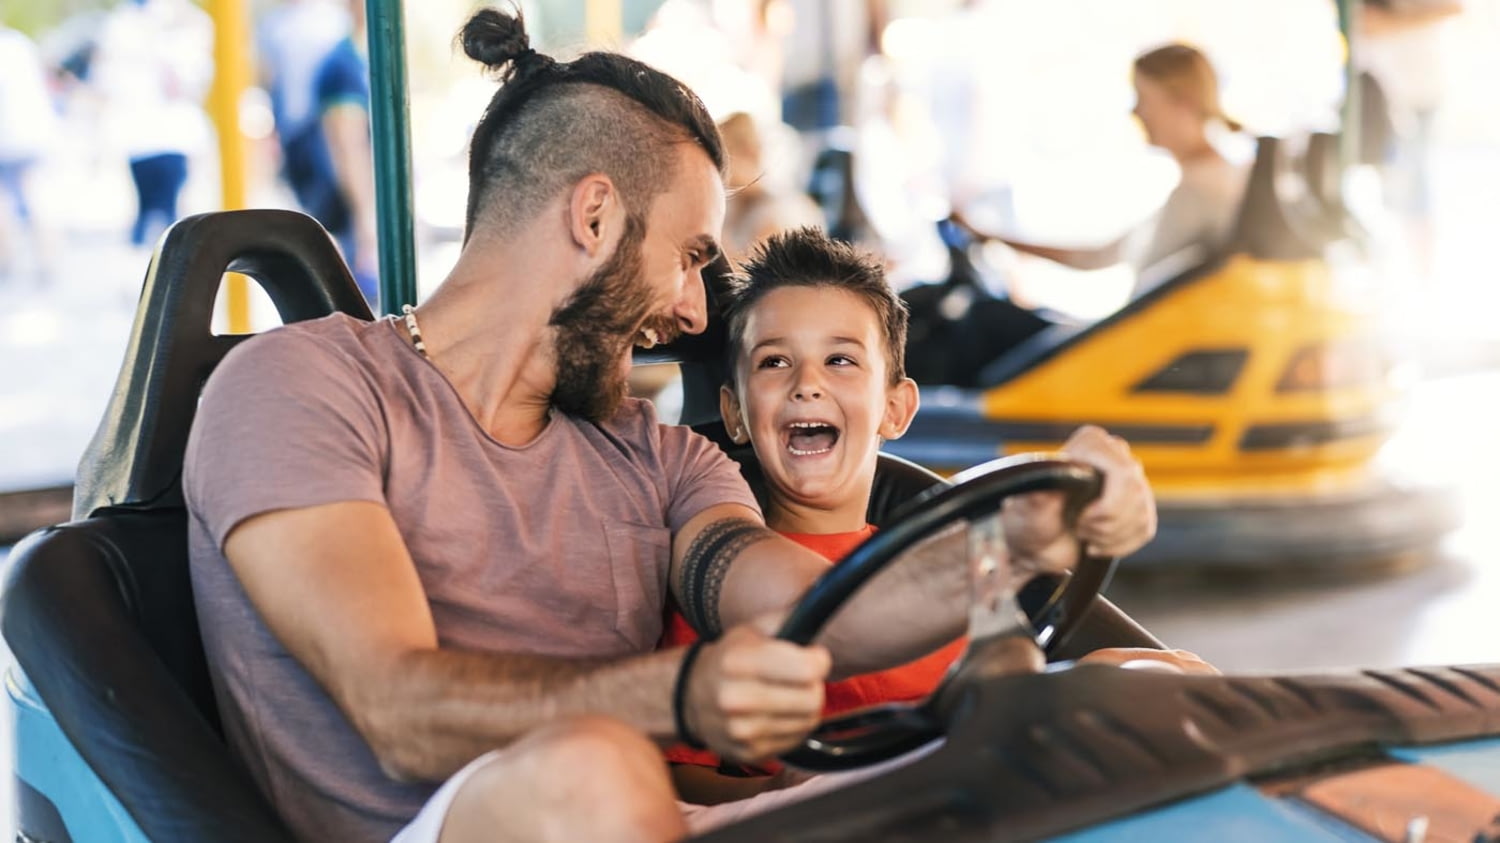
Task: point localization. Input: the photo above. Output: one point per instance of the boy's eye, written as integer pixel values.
(772, 361)
(842, 360)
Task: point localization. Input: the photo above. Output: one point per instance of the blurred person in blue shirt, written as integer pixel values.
(292, 39)
(328, 160)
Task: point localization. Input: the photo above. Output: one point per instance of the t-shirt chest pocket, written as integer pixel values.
(639, 558)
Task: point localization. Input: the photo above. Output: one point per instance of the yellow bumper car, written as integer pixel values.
(1254, 386)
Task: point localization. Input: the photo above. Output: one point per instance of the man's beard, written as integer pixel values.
(596, 325)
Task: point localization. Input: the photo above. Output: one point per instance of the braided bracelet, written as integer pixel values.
(679, 696)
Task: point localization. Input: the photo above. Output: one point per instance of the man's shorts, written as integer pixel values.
(428, 824)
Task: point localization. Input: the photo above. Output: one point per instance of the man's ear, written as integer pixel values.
(734, 421)
(901, 402)
(593, 210)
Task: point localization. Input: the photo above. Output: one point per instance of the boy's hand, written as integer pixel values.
(1123, 518)
(751, 696)
(1118, 522)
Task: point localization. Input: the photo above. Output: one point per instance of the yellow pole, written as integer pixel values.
(602, 22)
(231, 78)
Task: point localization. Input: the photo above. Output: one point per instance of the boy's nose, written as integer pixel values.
(807, 389)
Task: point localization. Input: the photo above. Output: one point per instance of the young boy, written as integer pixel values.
(816, 347)
(817, 382)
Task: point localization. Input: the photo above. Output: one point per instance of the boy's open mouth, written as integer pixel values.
(810, 438)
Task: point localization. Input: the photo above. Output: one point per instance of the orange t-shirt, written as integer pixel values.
(911, 681)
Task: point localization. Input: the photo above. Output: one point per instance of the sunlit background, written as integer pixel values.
(1018, 109)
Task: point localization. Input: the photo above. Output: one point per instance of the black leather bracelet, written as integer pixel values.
(679, 695)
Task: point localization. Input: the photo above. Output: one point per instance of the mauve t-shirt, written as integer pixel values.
(559, 547)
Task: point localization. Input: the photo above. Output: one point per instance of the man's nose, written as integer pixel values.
(692, 308)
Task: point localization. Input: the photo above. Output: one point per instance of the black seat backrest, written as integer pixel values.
(99, 611)
(1320, 167)
(135, 458)
(1264, 229)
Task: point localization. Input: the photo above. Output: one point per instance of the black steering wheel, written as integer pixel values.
(875, 734)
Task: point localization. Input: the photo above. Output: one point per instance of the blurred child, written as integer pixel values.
(760, 203)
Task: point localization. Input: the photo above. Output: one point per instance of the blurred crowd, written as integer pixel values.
(1102, 146)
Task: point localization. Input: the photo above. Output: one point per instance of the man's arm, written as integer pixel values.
(354, 613)
(728, 568)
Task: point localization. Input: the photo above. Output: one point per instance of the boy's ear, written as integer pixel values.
(901, 402)
(734, 420)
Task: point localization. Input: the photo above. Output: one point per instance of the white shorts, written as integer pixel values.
(428, 824)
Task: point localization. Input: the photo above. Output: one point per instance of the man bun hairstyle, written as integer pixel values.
(500, 43)
(806, 257)
(552, 123)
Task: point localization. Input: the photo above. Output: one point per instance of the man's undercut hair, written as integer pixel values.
(553, 123)
(806, 257)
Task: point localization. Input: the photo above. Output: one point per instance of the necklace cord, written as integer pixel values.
(410, 315)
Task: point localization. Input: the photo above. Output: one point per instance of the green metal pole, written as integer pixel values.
(1349, 116)
(389, 125)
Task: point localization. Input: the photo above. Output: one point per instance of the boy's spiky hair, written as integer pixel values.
(806, 257)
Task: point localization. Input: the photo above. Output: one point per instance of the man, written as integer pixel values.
(291, 39)
(153, 68)
(417, 542)
(327, 157)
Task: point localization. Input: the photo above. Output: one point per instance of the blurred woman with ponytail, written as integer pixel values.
(1177, 104)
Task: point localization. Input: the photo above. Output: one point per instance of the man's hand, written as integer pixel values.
(1142, 658)
(1123, 518)
(1037, 536)
(751, 696)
